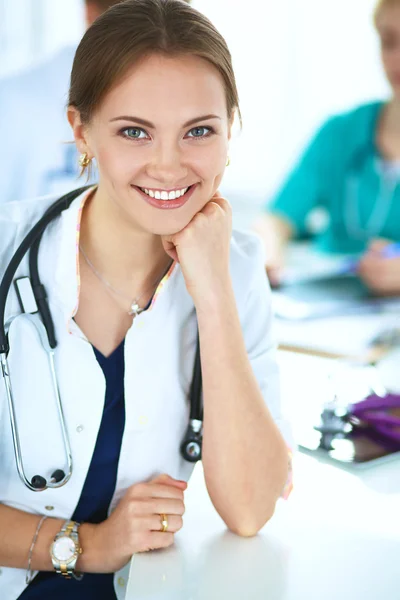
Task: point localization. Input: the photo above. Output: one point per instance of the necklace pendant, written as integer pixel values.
(135, 309)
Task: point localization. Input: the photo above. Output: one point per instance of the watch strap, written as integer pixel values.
(67, 570)
(70, 527)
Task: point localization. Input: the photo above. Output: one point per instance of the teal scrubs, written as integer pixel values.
(339, 172)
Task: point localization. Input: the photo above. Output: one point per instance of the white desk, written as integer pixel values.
(337, 538)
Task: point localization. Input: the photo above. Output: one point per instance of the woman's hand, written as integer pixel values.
(381, 274)
(134, 526)
(202, 249)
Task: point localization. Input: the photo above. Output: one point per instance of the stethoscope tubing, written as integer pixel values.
(191, 447)
(32, 236)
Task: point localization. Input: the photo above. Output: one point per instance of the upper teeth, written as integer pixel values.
(165, 195)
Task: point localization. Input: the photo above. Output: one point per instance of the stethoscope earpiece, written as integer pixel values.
(40, 483)
(57, 476)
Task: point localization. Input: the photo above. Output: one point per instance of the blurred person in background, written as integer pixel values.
(36, 160)
(352, 170)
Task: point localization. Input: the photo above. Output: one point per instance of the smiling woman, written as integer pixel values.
(136, 270)
(178, 146)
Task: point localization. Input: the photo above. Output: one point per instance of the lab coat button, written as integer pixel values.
(143, 420)
(49, 507)
(79, 429)
(121, 581)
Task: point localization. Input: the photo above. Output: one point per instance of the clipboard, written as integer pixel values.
(322, 297)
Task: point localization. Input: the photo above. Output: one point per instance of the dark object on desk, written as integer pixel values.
(325, 297)
(359, 433)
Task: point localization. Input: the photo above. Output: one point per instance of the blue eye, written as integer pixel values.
(134, 133)
(200, 132)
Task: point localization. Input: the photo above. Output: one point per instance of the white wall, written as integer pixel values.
(33, 29)
(296, 61)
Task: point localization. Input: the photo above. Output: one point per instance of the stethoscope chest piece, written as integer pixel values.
(192, 443)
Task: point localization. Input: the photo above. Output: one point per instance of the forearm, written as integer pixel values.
(244, 455)
(17, 529)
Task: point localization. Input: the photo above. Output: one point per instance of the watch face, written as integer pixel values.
(64, 549)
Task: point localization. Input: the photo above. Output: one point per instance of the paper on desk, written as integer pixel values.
(349, 335)
(304, 263)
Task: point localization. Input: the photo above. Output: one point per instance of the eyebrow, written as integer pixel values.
(151, 126)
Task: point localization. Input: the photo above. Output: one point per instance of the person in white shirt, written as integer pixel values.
(38, 158)
(133, 269)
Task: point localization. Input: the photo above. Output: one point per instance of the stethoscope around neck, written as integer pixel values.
(389, 180)
(191, 446)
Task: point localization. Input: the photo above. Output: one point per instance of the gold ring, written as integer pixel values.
(164, 523)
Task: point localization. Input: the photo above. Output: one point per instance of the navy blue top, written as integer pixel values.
(97, 491)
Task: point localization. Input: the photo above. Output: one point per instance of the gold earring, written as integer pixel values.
(228, 162)
(84, 160)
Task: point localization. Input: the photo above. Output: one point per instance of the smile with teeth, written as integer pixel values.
(164, 195)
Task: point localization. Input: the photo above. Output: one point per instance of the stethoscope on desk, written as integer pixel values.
(370, 416)
(191, 445)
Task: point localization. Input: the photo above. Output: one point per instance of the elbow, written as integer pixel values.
(245, 530)
(249, 527)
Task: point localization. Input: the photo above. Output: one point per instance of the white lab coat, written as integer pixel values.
(159, 357)
(38, 157)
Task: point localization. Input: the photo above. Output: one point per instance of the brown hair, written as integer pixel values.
(382, 4)
(134, 29)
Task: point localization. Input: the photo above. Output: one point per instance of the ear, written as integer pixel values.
(79, 130)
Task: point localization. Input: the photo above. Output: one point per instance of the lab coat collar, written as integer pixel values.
(67, 266)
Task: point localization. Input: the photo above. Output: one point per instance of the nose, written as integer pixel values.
(168, 165)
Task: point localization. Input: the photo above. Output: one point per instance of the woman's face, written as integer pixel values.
(388, 24)
(163, 129)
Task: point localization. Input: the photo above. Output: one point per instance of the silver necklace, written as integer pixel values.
(135, 309)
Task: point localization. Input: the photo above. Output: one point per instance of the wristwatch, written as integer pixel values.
(65, 550)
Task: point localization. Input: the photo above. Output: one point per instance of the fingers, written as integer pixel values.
(156, 506)
(378, 244)
(381, 275)
(216, 204)
(175, 523)
(170, 248)
(165, 491)
(168, 480)
(158, 540)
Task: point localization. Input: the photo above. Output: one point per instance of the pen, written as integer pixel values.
(390, 251)
(349, 266)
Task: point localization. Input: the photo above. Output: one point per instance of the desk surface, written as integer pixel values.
(338, 537)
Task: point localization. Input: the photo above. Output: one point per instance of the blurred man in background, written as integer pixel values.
(35, 158)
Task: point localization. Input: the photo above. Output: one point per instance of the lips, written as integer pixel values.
(166, 204)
